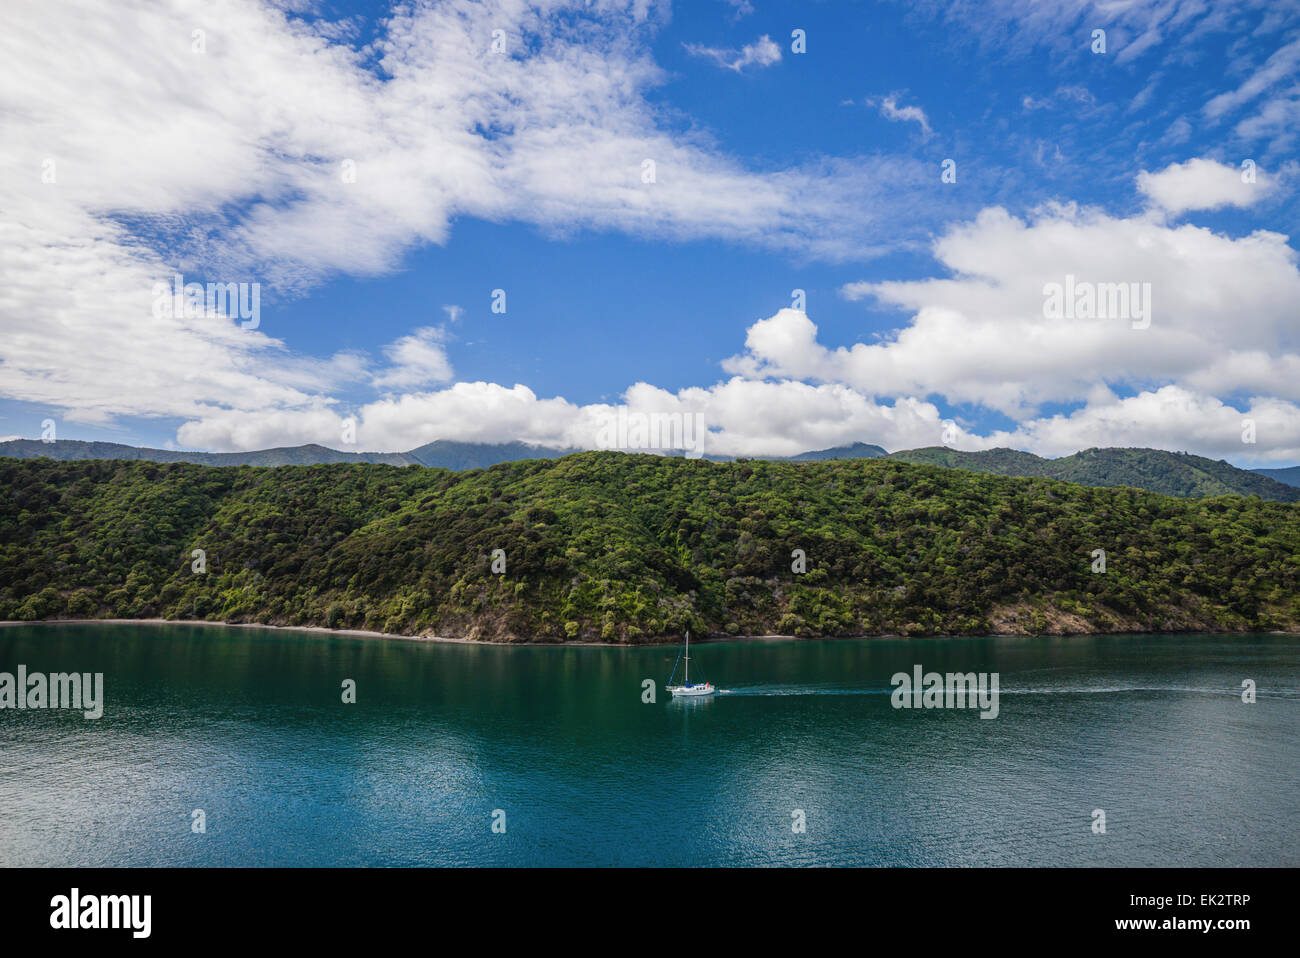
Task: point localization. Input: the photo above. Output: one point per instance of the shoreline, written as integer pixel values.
(320, 630)
(311, 629)
(366, 634)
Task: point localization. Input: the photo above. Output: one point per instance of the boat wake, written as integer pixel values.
(754, 690)
(1120, 689)
(775, 690)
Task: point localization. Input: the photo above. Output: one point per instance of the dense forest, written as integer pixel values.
(626, 548)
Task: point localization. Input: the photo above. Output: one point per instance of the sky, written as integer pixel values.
(803, 225)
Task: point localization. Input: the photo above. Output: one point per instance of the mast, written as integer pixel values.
(687, 680)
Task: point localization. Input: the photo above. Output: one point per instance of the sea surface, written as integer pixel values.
(557, 746)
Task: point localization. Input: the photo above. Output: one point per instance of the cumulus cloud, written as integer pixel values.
(1202, 184)
(977, 339)
(743, 417)
(1171, 417)
(417, 361)
(776, 417)
(1222, 315)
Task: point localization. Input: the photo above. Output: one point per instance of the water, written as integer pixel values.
(249, 726)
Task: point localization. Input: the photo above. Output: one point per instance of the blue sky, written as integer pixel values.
(522, 170)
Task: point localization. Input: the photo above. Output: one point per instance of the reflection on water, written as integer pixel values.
(249, 726)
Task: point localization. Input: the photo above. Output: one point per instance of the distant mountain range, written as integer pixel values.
(1171, 473)
(1290, 476)
(859, 450)
(442, 454)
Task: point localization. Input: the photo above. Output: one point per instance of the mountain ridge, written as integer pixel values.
(1290, 476)
(1170, 473)
(1178, 474)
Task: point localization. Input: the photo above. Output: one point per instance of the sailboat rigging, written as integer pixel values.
(687, 688)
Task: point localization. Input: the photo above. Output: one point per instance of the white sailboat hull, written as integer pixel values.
(689, 689)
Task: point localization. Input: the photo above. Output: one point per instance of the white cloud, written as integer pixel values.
(1283, 63)
(1134, 28)
(1180, 131)
(1075, 95)
(777, 418)
(763, 52)
(1165, 35)
(979, 338)
(1223, 315)
(236, 158)
(1277, 121)
(890, 110)
(553, 132)
(1202, 184)
(237, 163)
(744, 417)
(80, 334)
(418, 360)
(1170, 417)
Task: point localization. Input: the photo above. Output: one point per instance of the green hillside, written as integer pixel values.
(625, 548)
(1170, 473)
(1001, 462)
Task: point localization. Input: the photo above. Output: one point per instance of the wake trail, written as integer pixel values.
(779, 690)
(756, 690)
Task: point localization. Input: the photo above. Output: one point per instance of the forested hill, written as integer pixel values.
(616, 547)
(1171, 473)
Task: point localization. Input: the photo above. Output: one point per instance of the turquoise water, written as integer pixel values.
(249, 726)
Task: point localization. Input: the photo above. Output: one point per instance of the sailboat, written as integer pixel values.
(687, 688)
